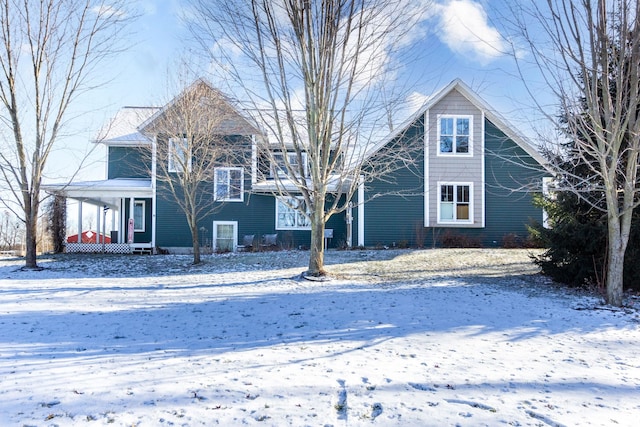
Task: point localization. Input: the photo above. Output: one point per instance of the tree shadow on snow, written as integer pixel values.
(353, 316)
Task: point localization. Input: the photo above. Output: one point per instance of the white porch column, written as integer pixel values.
(121, 230)
(113, 221)
(98, 227)
(361, 213)
(79, 221)
(131, 207)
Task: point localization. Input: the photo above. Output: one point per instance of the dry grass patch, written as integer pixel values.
(439, 263)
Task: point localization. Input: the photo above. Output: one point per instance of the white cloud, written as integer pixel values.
(465, 29)
(416, 100)
(108, 11)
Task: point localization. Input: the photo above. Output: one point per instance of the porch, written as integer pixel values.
(130, 203)
(110, 248)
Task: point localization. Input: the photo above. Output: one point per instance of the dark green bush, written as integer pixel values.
(576, 245)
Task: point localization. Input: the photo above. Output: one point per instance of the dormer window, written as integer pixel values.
(279, 167)
(455, 135)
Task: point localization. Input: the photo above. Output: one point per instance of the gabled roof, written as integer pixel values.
(479, 103)
(122, 129)
(234, 122)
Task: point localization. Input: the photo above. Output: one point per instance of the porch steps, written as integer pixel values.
(141, 251)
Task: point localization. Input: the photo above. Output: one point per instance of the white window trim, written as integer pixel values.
(215, 184)
(235, 233)
(455, 192)
(277, 199)
(455, 117)
(171, 165)
(136, 227)
(282, 172)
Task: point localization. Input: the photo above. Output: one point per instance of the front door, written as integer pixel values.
(225, 236)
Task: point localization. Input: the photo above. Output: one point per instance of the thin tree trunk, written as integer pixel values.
(618, 234)
(615, 270)
(31, 235)
(196, 244)
(316, 256)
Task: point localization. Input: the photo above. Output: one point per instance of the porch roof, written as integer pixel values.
(335, 184)
(106, 192)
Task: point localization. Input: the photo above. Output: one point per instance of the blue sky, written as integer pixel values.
(462, 39)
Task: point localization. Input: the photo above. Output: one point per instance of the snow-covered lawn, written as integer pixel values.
(411, 338)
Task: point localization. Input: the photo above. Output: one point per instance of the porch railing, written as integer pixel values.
(111, 248)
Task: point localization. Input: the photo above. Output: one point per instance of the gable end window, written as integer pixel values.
(455, 203)
(455, 135)
(290, 218)
(177, 155)
(229, 185)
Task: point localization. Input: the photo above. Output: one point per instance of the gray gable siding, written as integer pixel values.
(511, 177)
(128, 162)
(457, 167)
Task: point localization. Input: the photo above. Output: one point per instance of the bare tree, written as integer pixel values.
(198, 139)
(590, 60)
(9, 230)
(320, 76)
(49, 50)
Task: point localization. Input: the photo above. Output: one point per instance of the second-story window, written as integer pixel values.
(229, 185)
(279, 167)
(178, 155)
(454, 134)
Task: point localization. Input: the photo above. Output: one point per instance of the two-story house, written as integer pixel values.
(147, 217)
(471, 174)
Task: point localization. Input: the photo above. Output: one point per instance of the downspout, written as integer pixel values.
(483, 189)
(361, 212)
(153, 193)
(427, 181)
(254, 160)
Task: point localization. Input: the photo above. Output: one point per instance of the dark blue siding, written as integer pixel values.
(256, 215)
(397, 218)
(129, 162)
(511, 179)
(140, 236)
